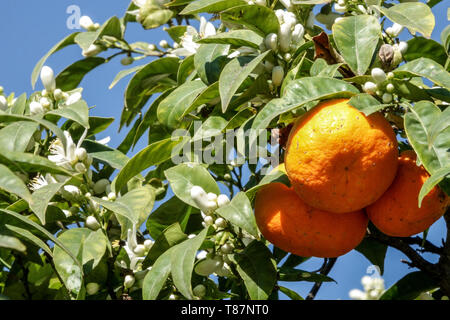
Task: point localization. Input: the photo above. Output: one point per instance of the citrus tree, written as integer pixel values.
(256, 84)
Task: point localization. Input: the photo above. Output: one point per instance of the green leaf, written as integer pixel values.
(301, 91)
(419, 119)
(211, 127)
(105, 154)
(69, 40)
(357, 38)
(78, 112)
(30, 163)
(209, 61)
(71, 77)
(240, 213)
(94, 248)
(410, 287)
(171, 109)
(374, 251)
(424, 67)
(256, 267)
(277, 176)
(366, 103)
(122, 74)
(17, 135)
(153, 154)
(155, 17)
(170, 237)
(70, 271)
(168, 213)
(112, 27)
(290, 293)
(420, 47)
(416, 16)
(205, 97)
(260, 19)
(186, 70)
(9, 242)
(432, 181)
(234, 74)
(176, 32)
(290, 274)
(184, 176)
(30, 237)
(182, 263)
(408, 90)
(41, 197)
(236, 38)
(12, 183)
(154, 280)
(293, 260)
(210, 6)
(141, 86)
(19, 105)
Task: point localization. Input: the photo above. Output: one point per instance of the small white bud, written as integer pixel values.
(222, 200)
(81, 154)
(73, 98)
(269, 66)
(164, 44)
(298, 33)
(129, 281)
(201, 255)
(395, 30)
(112, 196)
(390, 75)
(92, 51)
(277, 75)
(212, 196)
(287, 4)
(284, 36)
(45, 102)
(387, 97)
(44, 93)
(226, 248)
(338, 8)
(3, 103)
(200, 290)
(70, 192)
(390, 88)
(48, 78)
(220, 223)
(80, 167)
(152, 47)
(74, 210)
(287, 57)
(403, 47)
(92, 288)
(92, 223)
(208, 220)
(36, 108)
(148, 244)
(378, 75)
(208, 266)
(140, 250)
(127, 61)
(86, 23)
(271, 41)
(100, 186)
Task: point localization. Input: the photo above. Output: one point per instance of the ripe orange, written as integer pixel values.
(397, 212)
(338, 159)
(290, 224)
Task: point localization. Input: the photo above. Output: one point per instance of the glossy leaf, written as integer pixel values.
(374, 251)
(70, 78)
(420, 47)
(30, 237)
(12, 183)
(184, 176)
(209, 61)
(154, 280)
(105, 154)
(94, 248)
(256, 267)
(290, 293)
(9, 242)
(78, 112)
(210, 6)
(357, 38)
(122, 74)
(17, 135)
(410, 287)
(432, 181)
(240, 213)
(41, 198)
(238, 38)
(424, 67)
(366, 103)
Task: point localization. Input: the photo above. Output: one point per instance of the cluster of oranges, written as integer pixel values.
(345, 169)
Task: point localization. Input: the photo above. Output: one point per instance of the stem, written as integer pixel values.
(325, 270)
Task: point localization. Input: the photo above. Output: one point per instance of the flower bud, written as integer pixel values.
(87, 23)
(70, 192)
(284, 36)
(80, 167)
(127, 61)
(208, 266)
(140, 250)
(298, 33)
(390, 75)
(129, 281)
(287, 4)
(92, 288)
(92, 51)
(200, 290)
(100, 186)
(112, 196)
(378, 75)
(148, 244)
(227, 248)
(390, 88)
(277, 75)
(81, 154)
(290, 19)
(338, 8)
(387, 98)
(201, 255)
(395, 30)
(223, 270)
(45, 102)
(386, 54)
(152, 47)
(73, 98)
(212, 196)
(48, 78)
(92, 223)
(36, 108)
(208, 220)
(403, 46)
(271, 41)
(3, 103)
(220, 223)
(164, 44)
(222, 200)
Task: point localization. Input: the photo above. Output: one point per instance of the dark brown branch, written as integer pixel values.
(325, 270)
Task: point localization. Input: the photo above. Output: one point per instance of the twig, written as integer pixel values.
(325, 270)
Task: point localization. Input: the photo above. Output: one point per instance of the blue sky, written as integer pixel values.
(28, 29)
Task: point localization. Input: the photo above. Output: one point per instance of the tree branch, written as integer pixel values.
(325, 270)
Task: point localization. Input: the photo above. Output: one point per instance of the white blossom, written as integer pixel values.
(48, 78)
(73, 98)
(3, 103)
(63, 156)
(188, 44)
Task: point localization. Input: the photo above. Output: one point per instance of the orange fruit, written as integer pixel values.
(397, 212)
(292, 225)
(338, 159)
